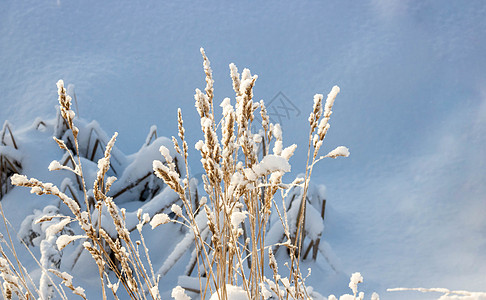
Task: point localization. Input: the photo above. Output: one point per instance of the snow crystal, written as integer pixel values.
(288, 152)
(272, 163)
(277, 131)
(269, 164)
(79, 291)
(233, 70)
(145, 218)
(36, 190)
(354, 280)
(226, 105)
(205, 122)
(64, 240)
(174, 175)
(246, 74)
(165, 153)
(113, 286)
(67, 278)
(339, 151)
(103, 163)
(17, 179)
(244, 85)
(250, 174)
(110, 180)
(199, 145)
(178, 293)
(60, 84)
(236, 179)
(277, 148)
(159, 219)
(55, 228)
(315, 138)
(237, 218)
(225, 102)
(157, 164)
(330, 100)
(176, 209)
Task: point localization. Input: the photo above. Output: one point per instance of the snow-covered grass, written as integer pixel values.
(233, 231)
(227, 226)
(229, 250)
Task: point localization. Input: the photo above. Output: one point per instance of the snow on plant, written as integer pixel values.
(12, 283)
(353, 285)
(227, 227)
(110, 245)
(233, 292)
(241, 183)
(46, 229)
(34, 227)
(178, 293)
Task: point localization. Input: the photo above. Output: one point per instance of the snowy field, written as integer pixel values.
(406, 209)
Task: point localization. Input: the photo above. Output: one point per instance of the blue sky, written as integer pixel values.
(412, 105)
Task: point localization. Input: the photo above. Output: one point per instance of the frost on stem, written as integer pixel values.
(41, 188)
(67, 280)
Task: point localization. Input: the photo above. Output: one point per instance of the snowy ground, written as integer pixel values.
(407, 207)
